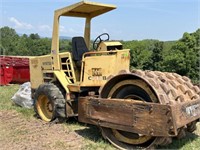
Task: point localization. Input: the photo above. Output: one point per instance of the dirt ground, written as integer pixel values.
(17, 132)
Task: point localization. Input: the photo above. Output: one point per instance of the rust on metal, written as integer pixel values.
(138, 117)
(186, 112)
(128, 115)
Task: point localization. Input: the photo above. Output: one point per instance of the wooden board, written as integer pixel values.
(128, 115)
(138, 117)
(186, 112)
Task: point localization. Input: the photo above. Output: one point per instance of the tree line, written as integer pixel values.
(181, 56)
(26, 45)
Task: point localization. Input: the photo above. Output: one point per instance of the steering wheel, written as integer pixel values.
(99, 39)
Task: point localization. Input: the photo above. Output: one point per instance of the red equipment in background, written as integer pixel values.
(14, 69)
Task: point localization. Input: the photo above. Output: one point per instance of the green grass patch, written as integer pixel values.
(6, 93)
(190, 142)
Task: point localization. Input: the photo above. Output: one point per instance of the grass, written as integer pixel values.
(91, 134)
(190, 142)
(6, 93)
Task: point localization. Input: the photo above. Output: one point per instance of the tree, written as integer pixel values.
(139, 53)
(34, 36)
(156, 58)
(21, 47)
(8, 41)
(183, 58)
(145, 54)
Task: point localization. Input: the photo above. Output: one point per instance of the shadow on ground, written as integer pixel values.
(180, 143)
(93, 133)
(90, 132)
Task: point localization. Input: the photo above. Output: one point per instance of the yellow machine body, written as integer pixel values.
(96, 66)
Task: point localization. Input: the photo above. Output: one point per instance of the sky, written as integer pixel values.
(132, 20)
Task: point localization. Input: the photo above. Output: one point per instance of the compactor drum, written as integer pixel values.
(134, 109)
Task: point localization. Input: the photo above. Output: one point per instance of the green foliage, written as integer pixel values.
(65, 45)
(146, 54)
(27, 45)
(140, 52)
(180, 56)
(157, 56)
(8, 41)
(34, 36)
(183, 57)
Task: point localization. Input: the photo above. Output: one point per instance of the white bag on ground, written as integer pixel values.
(23, 96)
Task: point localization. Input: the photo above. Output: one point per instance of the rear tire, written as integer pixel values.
(49, 102)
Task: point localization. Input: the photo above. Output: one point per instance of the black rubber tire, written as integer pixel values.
(55, 97)
(132, 89)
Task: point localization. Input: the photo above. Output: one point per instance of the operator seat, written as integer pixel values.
(78, 49)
